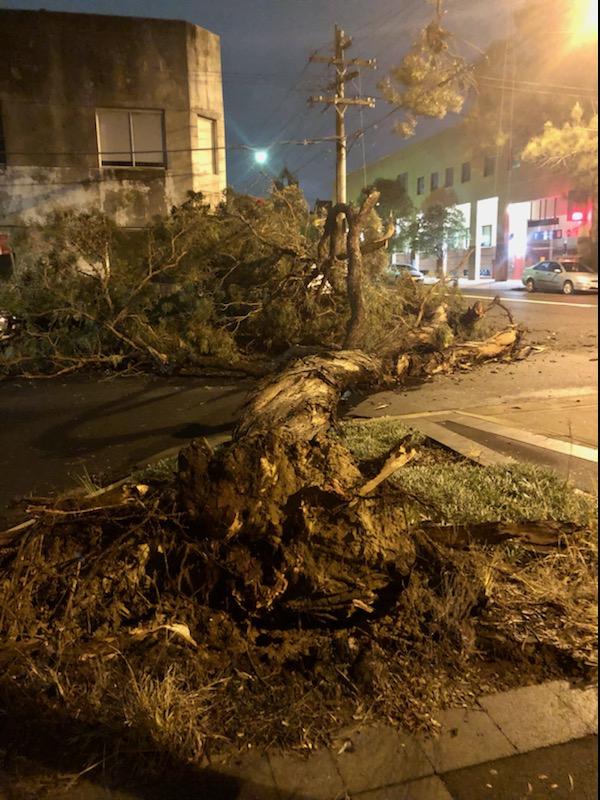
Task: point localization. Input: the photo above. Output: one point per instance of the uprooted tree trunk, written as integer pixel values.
(292, 527)
(282, 505)
(331, 250)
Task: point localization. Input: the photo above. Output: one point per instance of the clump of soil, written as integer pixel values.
(125, 619)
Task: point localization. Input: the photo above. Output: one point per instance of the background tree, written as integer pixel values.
(531, 76)
(439, 228)
(573, 145)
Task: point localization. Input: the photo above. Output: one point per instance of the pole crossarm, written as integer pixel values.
(344, 101)
(341, 62)
(340, 102)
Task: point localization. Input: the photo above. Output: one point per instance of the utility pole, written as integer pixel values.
(340, 102)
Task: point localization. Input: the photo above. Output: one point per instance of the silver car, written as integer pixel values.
(563, 275)
(397, 270)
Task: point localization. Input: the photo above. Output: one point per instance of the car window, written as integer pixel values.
(573, 266)
(554, 265)
(541, 267)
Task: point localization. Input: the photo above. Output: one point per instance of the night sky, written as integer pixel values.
(266, 78)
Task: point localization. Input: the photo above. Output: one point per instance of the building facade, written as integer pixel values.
(120, 114)
(516, 213)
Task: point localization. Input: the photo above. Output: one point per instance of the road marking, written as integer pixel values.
(534, 302)
(518, 434)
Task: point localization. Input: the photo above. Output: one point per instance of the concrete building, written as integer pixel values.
(516, 213)
(116, 113)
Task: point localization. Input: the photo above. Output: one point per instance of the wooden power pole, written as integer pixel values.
(340, 102)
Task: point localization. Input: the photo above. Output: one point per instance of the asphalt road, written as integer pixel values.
(554, 320)
(54, 432)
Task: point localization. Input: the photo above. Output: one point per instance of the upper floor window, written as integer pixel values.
(128, 138)
(403, 180)
(421, 185)
(465, 172)
(449, 180)
(489, 165)
(435, 180)
(206, 154)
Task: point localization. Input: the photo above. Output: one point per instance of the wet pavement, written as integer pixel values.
(55, 433)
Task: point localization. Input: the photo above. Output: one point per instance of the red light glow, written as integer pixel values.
(577, 216)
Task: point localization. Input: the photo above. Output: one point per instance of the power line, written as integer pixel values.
(300, 142)
(544, 85)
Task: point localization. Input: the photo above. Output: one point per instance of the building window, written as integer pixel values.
(403, 180)
(486, 235)
(449, 180)
(465, 172)
(206, 162)
(435, 180)
(489, 164)
(421, 185)
(129, 138)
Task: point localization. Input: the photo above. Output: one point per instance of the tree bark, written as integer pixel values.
(287, 523)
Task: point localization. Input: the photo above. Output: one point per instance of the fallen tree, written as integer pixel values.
(274, 588)
(282, 585)
(286, 511)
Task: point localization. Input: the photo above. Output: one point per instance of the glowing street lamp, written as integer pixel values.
(261, 156)
(585, 20)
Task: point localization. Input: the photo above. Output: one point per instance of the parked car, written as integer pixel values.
(566, 275)
(398, 270)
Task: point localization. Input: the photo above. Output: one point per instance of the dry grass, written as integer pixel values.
(104, 616)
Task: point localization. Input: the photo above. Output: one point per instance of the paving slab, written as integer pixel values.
(251, 776)
(535, 716)
(583, 702)
(562, 772)
(380, 756)
(431, 788)
(312, 778)
(467, 736)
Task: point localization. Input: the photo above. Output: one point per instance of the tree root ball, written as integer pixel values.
(284, 521)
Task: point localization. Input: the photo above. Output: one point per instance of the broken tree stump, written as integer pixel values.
(281, 509)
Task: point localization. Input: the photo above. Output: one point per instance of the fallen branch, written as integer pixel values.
(535, 533)
(397, 460)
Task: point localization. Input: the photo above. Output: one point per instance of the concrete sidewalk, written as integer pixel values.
(534, 742)
(381, 763)
(484, 411)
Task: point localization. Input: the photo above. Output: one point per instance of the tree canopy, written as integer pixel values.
(432, 80)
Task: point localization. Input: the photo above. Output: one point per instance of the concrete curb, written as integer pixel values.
(378, 761)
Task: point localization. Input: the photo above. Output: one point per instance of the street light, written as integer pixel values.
(585, 21)
(261, 156)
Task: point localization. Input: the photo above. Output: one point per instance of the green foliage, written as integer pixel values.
(439, 228)
(199, 284)
(219, 283)
(393, 200)
(431, 231)
(430, 81)
(574, 144)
